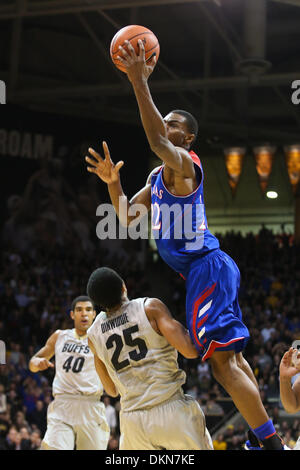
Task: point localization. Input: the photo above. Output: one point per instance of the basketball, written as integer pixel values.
(133, 33)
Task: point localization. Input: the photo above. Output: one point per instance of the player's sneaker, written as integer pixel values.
(252, 443)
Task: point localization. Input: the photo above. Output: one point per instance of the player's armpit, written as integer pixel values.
(142, 197)
(174, 332)
(104, 376)
(130, 212)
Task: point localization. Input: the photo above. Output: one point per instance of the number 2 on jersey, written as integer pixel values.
(117, 340)
(155, 213)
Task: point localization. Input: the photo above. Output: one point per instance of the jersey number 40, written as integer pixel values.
(76, 366)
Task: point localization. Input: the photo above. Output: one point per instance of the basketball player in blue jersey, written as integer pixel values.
(213, 314)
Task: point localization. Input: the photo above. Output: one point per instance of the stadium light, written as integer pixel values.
(272, 195)
(292, 153)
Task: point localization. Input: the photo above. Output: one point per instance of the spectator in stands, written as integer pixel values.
(234, 443)
(267, 331)
(35, 440)
(39, 416)
(11, 438)
(220, 443)
(3, 405)
(212, 408)
(25, 439)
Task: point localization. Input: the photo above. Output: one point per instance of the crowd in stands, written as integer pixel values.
(43, 267)
(270, 299)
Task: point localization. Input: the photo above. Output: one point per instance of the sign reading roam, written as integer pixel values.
(14, 143)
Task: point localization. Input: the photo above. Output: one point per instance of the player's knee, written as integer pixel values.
(240, 360)
(224, 366)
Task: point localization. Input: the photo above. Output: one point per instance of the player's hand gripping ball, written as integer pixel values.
(134, 33)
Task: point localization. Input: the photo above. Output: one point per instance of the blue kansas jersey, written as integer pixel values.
(179, 223)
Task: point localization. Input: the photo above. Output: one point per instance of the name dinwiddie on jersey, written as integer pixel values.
(114, 323)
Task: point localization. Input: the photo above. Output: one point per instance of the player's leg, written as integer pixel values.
(91, 436)
(245, 396)
(133, 435)
(244, 365)
(194, 433)
(216, 327)
(239, 386)
(59, 436)
(178, 424)
(92, 430)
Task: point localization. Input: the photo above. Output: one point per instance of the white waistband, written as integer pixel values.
(69, 396)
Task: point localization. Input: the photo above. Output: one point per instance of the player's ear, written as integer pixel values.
(189, 138)
(94, 314)
(72, 315)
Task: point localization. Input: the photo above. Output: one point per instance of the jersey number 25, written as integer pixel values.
(118, 341)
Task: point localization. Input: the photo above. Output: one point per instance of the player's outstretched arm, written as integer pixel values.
(108, 172)
(289, 395)
(104, 376)
(41, 360)
(163, 323)
(138, 72)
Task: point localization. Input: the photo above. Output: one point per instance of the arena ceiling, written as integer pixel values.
(229, 62)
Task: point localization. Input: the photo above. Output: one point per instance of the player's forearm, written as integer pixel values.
(188, 349)
(105, 379)
(120, 202)
(181, 340)
(288, 397)
(154, 126)
(130, 212)
(151, 118)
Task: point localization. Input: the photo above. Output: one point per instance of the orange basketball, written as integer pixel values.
(133, 33)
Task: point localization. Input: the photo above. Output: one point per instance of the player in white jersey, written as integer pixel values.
(135, 343)
(76, 416)
(290, 389)
(289, 375)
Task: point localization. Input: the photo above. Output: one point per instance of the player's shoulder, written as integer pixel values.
(64, 332)
(153, 308)
(54, 337)
(189, 155)
(57, 333)
(151, 304)
(155, 171)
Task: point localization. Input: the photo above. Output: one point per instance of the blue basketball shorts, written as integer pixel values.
(214, 317)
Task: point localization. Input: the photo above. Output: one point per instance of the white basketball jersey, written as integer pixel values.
(75, 371)
(141, 363)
